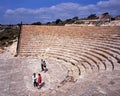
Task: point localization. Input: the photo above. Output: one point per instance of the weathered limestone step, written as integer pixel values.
(114, 50)
(109, 45)
(62, 56)
(108, 63)
(69, 60)
(98, 58)
(107, 49)
(109, 39)
(66, 52)
(102, 59)
(93, 58)
(78, 68)
(108, 56)
(111, 55)
(92, 64)
(98, 42)
(73, 56)
(82, 69)
(52, 35)
(86, 65)
(89, 61)
(71, 68)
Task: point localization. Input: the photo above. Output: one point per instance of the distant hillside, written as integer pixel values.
(7, 34)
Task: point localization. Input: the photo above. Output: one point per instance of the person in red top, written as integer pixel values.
(39, 80)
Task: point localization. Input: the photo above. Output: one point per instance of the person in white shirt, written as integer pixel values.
(34, 77)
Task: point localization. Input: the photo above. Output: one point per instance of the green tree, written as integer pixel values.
(92, 16)
(75, 18)
(36, 23)
(58, 21)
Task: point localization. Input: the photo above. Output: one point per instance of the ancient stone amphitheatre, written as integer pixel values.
(81, 61)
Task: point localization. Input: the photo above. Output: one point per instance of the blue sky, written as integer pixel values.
(28, 11)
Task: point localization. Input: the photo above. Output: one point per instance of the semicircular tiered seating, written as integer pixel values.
(87, 48)
(83, 50)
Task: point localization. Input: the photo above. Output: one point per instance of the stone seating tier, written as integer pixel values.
(86, 48)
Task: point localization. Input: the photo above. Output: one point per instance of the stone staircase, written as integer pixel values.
(81, 50)
(95, 47)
